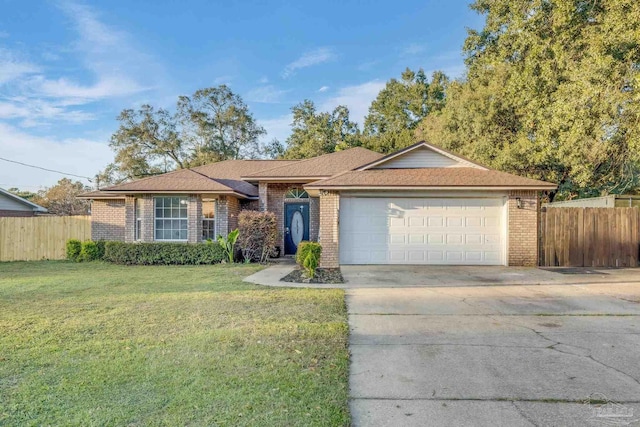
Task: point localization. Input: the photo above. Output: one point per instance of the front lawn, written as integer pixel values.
(99, 344)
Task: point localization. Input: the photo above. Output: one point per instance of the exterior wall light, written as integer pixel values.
(519, 202)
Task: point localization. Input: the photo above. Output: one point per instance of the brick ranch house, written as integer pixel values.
(420, 205)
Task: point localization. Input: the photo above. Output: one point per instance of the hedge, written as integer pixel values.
(163, 253)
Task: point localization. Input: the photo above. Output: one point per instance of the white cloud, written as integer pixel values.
(77, 156)
(413, 49)
(323, 89)
(279, 127)
(357, 98)
(314, 57)
(263, 80)
(34, 112)
(12, 68)
(106, 87)
(266, 94)
(111, 66)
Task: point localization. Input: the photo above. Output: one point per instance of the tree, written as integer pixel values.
(27, 195)
(62, 198)
(213, 124)
(314, 133)
(218, 126)
(551, 92)
(398, 109)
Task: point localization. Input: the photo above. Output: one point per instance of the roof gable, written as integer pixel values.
(421, 155)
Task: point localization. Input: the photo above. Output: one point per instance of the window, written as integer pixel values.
(138, 220)
(171, 218)
(208, 220)
(296, 193)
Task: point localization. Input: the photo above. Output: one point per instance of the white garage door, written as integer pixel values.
(422, 231)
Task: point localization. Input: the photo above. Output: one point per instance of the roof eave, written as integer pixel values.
(125, 193)
(430, 187)
(287, 179)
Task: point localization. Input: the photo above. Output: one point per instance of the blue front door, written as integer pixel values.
(296, 226)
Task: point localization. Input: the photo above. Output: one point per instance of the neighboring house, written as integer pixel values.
(610, 201)
(12, 205)
(420, 205)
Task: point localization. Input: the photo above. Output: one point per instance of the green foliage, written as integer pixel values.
(308, 257)
(228, 244)
(73, 249)
(552, 92)
(100, 244)
(90, 251)
(211, 125)
(163, 253)
(400, 107)
(74, 335)
(315, 133)
(258, 234)
(311, 263)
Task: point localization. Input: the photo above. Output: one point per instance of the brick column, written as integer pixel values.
(523, 228)
(147, 214)
(194, 215)
(263, 188)
(222, 217)
(314, 218)
(129, 219)
(329, 229)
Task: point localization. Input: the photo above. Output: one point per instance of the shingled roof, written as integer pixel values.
(221, 178)
(318, 167)
(428, 178)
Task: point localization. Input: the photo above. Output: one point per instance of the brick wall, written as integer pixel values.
(275, 201)
(222, 223)
(148, 217)
(263, 195)
(194, 215)
(233, 209)
(329, 232)
(5, 213)
(314, 218)
(107, 220)
(523, 228)
(129, 219)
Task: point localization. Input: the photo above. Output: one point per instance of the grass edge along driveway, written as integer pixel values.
(100, 344)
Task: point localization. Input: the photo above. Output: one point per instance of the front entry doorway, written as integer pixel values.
(296, 226)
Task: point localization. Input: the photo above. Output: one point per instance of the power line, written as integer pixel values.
(45, 169)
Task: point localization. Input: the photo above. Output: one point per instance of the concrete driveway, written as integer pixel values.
(495, 355)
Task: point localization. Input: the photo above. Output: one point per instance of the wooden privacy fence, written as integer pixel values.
(40, 237)
(590, 237)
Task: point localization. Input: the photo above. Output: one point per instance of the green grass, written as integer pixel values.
(99, 344)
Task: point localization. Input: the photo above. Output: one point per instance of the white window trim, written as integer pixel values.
(155, 218)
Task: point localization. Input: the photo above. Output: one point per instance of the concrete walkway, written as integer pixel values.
(405, 276)
(495, 355)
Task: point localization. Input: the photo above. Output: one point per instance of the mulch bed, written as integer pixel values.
(323, 275)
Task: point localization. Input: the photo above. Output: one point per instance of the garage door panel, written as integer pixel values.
(421, 231)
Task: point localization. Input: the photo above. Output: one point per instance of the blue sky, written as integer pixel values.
(68, 68)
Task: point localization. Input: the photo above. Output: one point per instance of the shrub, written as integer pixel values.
(89, 251)
(163, 253)
(258, 234)
(74, 247)
(308, 257)
(100, 244)
(228, 244)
